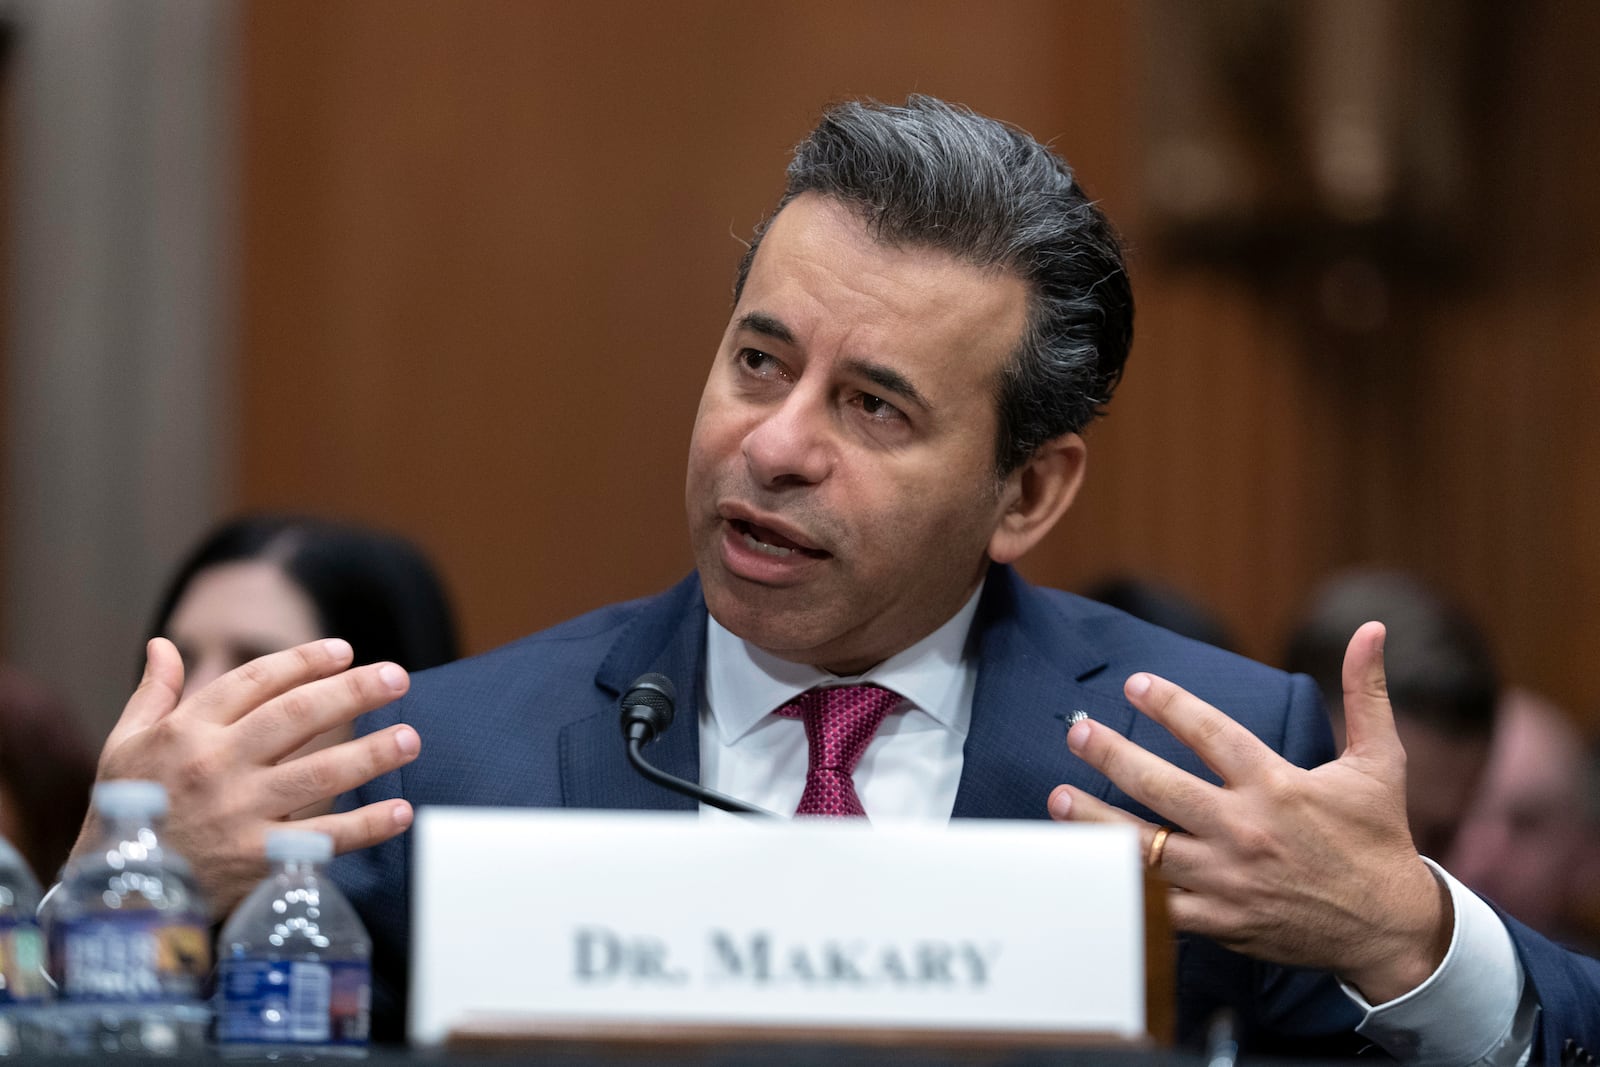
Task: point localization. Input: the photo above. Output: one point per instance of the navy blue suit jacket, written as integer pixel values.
(535, 724)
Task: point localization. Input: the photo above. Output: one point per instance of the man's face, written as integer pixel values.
(1524, 843)
(841, 489)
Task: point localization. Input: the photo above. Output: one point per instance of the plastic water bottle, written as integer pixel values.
(129, 937)
(24, 990)
(295, 973)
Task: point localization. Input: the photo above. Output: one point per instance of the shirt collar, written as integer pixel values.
(745, 683)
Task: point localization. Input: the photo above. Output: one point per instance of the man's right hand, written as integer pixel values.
(1306, 867)
(218, 754)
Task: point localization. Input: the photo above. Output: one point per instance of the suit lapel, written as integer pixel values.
(1037, 666)
(667, 636)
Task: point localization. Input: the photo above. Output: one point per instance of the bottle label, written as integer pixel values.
(294, 1002)
(22, 978)
(131, 957)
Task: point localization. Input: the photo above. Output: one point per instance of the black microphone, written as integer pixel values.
(647, 709)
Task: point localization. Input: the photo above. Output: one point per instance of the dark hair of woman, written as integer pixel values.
(374, 589)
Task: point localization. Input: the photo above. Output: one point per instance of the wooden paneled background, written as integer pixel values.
(7, 255)
(487, 250)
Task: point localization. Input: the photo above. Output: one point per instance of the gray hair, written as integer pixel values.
(939, 175)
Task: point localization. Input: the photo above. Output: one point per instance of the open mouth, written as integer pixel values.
(769, 542)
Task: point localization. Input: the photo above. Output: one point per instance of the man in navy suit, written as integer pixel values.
(921, 331)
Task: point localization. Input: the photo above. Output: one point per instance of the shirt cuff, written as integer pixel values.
(1467, 1012)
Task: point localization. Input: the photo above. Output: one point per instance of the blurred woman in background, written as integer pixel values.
(263, 583)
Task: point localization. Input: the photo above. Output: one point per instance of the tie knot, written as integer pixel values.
(840, 722)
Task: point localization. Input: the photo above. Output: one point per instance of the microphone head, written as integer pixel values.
(647, 707)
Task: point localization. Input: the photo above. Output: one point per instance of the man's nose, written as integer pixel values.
(791, 444)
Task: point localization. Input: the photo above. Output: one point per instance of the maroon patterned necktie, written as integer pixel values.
(840, 722)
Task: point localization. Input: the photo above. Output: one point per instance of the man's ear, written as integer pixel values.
(1037, 494)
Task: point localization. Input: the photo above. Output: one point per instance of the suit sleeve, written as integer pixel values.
(1307, 733)
(1567, 984)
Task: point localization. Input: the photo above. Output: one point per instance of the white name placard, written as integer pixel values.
(563, 917)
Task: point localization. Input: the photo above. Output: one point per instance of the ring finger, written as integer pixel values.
(1070, 804)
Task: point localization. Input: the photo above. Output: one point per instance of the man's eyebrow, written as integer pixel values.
(887, 379)
(764, 324)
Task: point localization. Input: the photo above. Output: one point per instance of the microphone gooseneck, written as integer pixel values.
(647, 709)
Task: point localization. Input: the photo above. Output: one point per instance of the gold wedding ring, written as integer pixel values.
(1158, 845)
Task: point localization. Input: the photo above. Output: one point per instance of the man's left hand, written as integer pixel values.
(1312, 868)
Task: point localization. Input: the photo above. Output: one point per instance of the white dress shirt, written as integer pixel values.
(1473, 1010)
